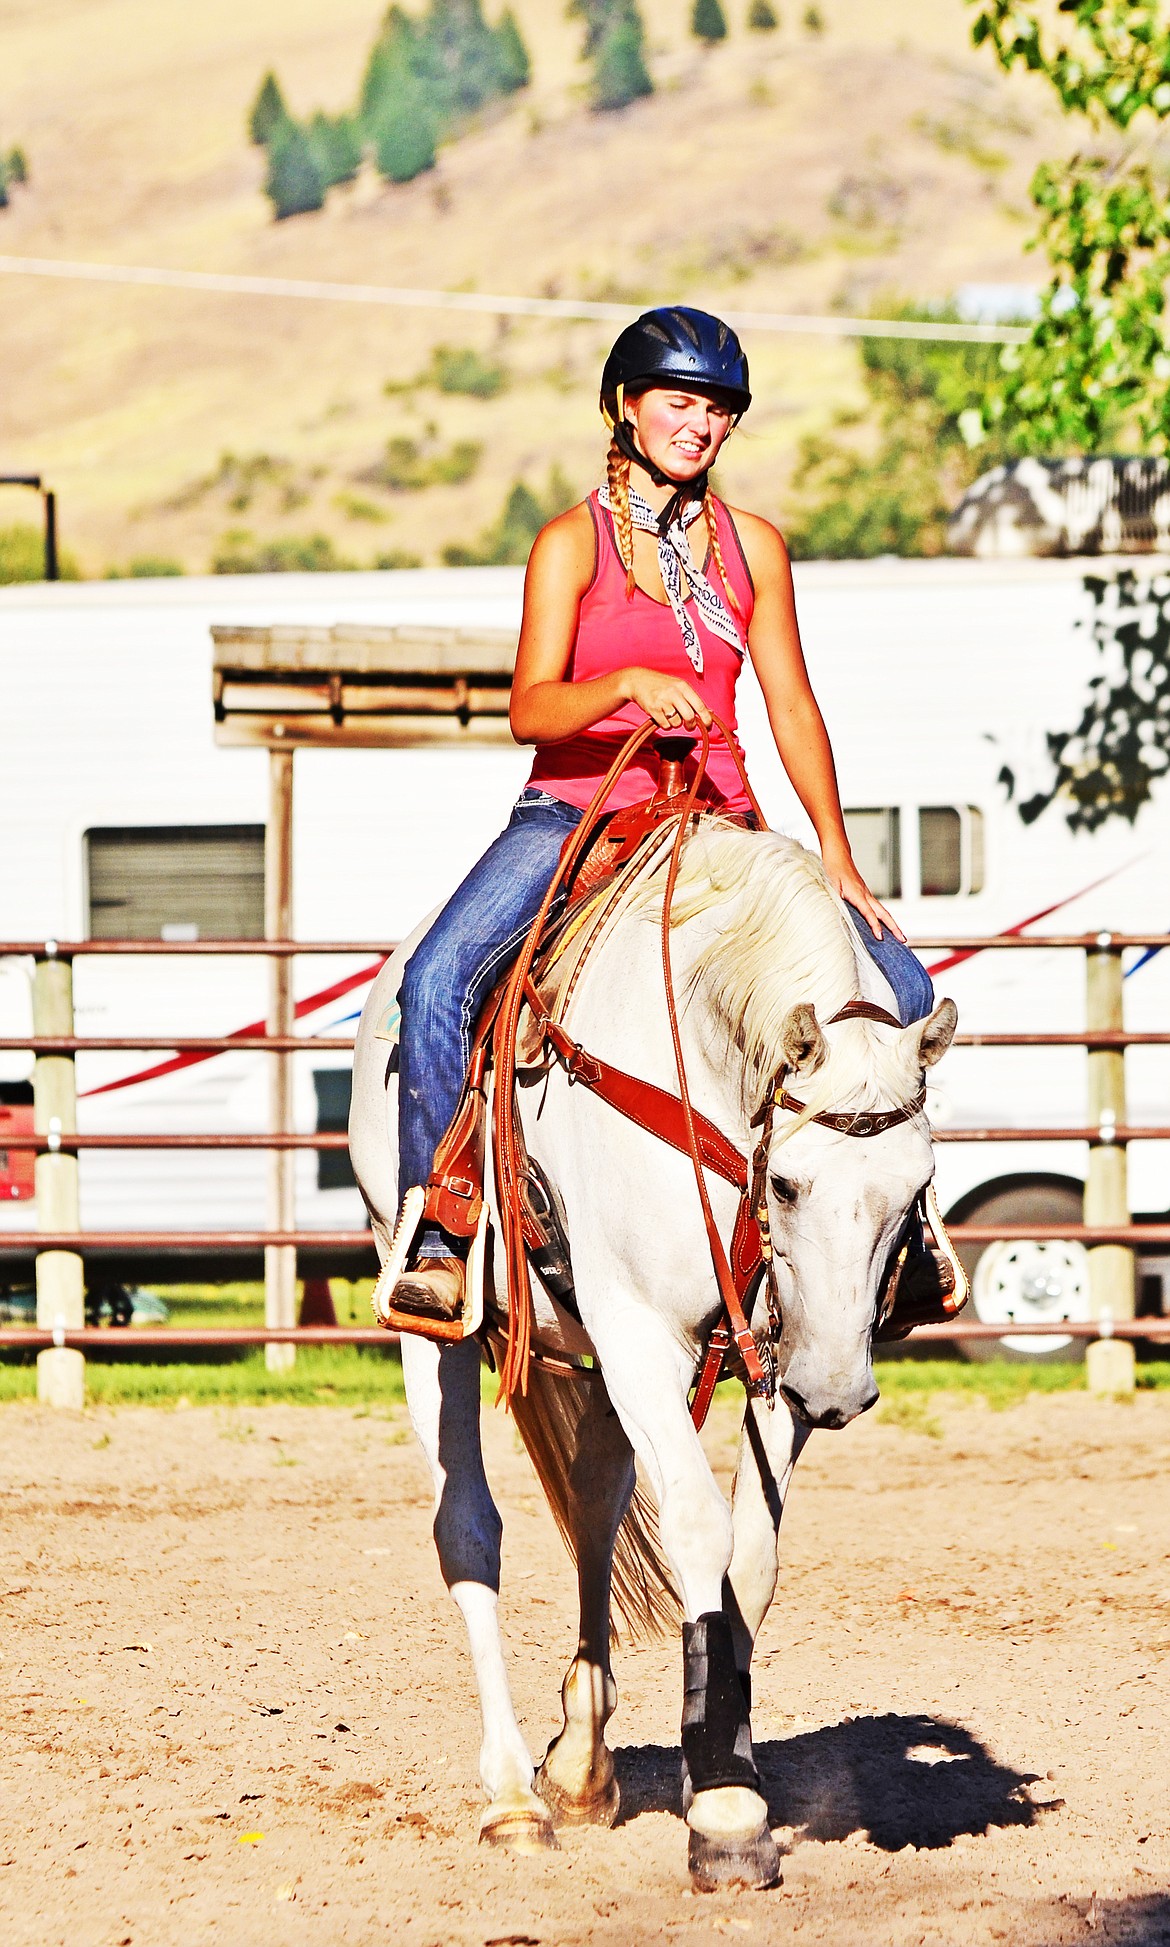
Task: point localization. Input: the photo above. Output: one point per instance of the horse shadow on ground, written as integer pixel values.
(916, 1781)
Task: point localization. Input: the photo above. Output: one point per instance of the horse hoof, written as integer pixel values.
(518, 1829)
(599, 1807)
(753, 1862)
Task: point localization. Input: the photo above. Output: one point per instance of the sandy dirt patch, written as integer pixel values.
(237, 1706)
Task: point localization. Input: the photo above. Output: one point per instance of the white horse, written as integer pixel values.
(761, 948)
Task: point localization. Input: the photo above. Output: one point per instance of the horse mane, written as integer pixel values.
(784, 936)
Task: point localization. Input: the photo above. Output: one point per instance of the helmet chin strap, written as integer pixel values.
(690, 490)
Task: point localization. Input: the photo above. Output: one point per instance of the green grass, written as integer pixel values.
(343, 1375)
(359, 1376)
(1000, 1382)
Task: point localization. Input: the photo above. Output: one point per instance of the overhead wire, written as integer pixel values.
(585, 310)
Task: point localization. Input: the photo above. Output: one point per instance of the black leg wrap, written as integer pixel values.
(716, 1732)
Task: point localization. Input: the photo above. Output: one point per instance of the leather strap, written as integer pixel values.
(741, 1332)
(855, 1122)
(718, 1347)
(859, 1010)
(654, 1109)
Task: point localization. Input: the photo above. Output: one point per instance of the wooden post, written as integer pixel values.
(60, 1274)
(1111, 1367)
(280, 1260)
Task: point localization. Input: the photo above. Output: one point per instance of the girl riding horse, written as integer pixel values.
(641, 601)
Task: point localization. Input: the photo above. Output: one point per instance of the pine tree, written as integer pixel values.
(3, 184)
(405, 132)
(295, 184)
(762, 16)
(16, 167)
(268, 111)
(598, 15)
(337, 147)
(708, 22)
(513, 64)
(620, 75)
(392, 55)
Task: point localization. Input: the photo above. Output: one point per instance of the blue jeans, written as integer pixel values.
(467, 950)
(452, 971)
(912, 985)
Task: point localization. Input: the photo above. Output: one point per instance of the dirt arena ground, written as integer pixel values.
(236, 1705)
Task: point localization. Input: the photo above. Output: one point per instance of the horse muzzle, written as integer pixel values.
(828, 1406)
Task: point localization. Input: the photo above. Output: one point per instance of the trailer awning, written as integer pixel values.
(357, 685)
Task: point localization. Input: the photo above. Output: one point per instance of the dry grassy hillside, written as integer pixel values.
(784, 171)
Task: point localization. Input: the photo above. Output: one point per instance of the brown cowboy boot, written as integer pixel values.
(434, 1289)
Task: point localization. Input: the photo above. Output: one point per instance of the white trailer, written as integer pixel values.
(119, 814)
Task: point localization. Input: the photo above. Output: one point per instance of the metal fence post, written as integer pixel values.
(60, 1274)
(1110, 1361)
(280, 1260)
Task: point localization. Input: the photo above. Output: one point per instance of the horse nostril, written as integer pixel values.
(797, 1403)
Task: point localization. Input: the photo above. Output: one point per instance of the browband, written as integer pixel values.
(849, 1122)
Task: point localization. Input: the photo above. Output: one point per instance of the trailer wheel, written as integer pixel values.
(1027, 1282)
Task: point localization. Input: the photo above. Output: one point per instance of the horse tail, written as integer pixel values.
(555, 1418)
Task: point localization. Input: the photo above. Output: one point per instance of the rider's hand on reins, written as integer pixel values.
(669, 702)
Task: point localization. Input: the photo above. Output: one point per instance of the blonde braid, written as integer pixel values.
(617, 468)
(717, 550)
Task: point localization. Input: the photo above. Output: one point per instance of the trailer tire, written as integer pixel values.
(1008, 1280)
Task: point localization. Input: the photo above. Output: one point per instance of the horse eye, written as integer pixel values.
(783, 1190)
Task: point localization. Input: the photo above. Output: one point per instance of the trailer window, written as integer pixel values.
(875, 838)
(950, 850)
(176, 882)
(333, 1085)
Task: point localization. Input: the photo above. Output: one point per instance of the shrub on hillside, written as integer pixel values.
(407, 466)
(708, 22)
(509, 541)
(398, 558)
(22, 556)
(147, 567)
(267, 112)
(762, 16)
(461, 369)
(295, 184)
(240, 553)
(13, 170)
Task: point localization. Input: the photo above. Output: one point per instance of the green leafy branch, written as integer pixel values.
(1111, 63)
(1096, 371)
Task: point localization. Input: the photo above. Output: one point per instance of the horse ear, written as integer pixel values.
(936, 1033)
(802, 1044)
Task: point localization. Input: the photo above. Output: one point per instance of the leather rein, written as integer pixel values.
(670, 1118)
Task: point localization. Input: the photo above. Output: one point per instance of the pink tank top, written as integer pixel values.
(612, 633)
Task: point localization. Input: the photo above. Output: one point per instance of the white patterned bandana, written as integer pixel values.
(674, 560)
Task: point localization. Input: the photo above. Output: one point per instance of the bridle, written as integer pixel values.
(846, 1122)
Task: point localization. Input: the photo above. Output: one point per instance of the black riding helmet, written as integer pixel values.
(675, 345)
